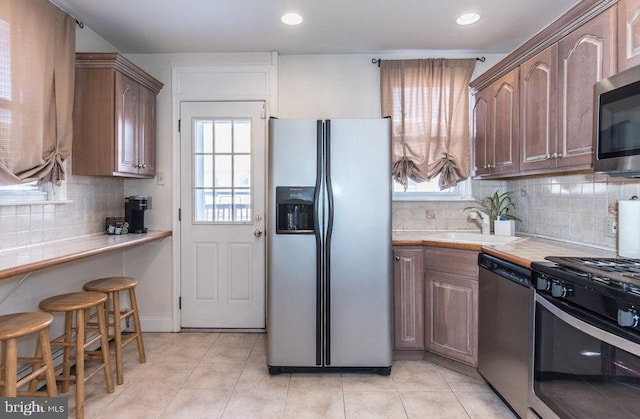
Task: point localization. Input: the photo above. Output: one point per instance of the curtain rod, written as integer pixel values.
(379, 60)
(78, 21)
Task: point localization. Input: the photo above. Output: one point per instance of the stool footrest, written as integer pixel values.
(31, 376)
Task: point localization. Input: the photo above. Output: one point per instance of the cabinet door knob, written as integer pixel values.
(397, 258)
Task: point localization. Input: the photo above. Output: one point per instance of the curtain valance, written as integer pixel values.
(428, 101)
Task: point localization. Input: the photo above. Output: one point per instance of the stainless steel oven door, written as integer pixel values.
(583, 366)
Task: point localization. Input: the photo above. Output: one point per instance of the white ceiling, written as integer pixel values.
(330, 26)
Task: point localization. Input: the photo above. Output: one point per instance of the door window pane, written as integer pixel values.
(203, 171)
(242, 204)
(222, 170)
(223, 205)
(204, 204)
(242, 134)
(242, 170)
(223, 136)
(204, 137)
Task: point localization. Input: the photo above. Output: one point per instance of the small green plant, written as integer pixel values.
(496, 206)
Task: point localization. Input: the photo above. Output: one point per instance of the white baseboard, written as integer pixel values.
(156, 324)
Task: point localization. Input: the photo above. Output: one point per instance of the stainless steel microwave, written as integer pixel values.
(617, 124)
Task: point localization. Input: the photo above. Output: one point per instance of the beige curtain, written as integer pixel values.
(37, 52)
(428, 101)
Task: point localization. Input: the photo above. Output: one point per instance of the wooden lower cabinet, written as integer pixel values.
(408, 297)
(451, 304)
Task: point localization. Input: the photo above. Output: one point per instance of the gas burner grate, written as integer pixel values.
(619, 272)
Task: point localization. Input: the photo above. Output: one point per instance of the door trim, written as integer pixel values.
(269, 94)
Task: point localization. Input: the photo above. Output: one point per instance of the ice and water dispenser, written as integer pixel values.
(294, 210)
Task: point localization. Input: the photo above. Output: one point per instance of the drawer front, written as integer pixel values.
(452, 261)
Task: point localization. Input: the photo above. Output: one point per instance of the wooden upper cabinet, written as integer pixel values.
(541, 119)
(495, 127)
(504, 123)
(481, 133)
(147, 123)
(114, 117)
(538, 110)
(126, 114)
(586, 56)
(628, 34)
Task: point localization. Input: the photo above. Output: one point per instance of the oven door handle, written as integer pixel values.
(590, 330)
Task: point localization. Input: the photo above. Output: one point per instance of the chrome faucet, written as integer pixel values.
(485, 220)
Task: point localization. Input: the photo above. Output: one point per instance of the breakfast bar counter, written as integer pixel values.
(32, 258)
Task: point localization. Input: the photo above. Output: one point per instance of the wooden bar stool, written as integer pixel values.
(12, 327)
(113, 286)
(79, 305)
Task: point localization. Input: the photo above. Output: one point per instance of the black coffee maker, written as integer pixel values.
(134, 208)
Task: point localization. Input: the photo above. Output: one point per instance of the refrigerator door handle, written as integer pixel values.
(327, 243)
(318, 235)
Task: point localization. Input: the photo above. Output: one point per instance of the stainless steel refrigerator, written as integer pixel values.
(329, 275)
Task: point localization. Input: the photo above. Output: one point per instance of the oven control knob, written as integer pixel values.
(542, 283)
(628, 318)
(560, 290)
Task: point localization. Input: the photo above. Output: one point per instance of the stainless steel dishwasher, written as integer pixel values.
(505, 329)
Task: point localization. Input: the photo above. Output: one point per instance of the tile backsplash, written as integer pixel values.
(569, 207)
(432, 215)
(92, 199)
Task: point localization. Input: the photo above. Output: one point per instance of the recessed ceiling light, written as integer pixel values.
(291, 19)
(468, 18)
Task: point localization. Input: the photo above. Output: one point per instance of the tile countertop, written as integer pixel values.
(41, 256)
(421, 238)
(521, 252)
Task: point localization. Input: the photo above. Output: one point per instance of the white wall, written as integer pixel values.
(342, 85)
(89, 41)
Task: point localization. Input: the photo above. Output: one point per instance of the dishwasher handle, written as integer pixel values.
(505, 269)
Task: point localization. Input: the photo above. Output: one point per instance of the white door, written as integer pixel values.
(222, 183)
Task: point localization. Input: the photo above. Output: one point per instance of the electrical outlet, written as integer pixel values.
(611, 227)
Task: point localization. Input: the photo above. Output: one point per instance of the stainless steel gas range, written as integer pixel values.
(587, 338)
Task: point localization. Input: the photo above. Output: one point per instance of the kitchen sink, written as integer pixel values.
(471, 237)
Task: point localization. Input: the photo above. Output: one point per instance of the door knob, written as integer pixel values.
(257, 233)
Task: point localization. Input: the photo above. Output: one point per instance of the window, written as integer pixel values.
(25, 193)
(430, 191)
(222, 170)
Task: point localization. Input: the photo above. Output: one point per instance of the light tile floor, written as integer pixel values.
(224, 375)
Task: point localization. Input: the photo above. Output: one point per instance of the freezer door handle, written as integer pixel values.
(318, 236)
(327, 243)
